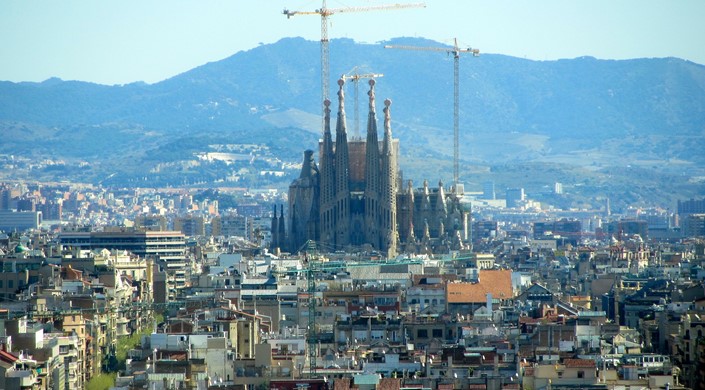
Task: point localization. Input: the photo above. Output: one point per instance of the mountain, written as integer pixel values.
(586, 113)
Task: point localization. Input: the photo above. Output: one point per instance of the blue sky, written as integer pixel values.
(117, 42)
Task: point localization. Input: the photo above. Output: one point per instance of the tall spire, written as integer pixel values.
(327, 179)
(389, 184)
(308, 167)
(441, 199)
(341, 144)
(387, 148)
(372, 173)
(281, 239)
(327, 158)
(342, 174)
(274, 230)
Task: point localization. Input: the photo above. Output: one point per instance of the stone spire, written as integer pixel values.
(342, 173)
(372, 174)
(411, 208)
(327, 159)
(281, 238)
(342, 163)
(274, 229)
(308, 167)
(302, 224)
(425, 197)
(372, 147)
(388, 198)
(441, 199)
(327, 178)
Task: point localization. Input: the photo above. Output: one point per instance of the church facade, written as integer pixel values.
(354, 197)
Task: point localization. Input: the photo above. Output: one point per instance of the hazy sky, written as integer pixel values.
(116, 42)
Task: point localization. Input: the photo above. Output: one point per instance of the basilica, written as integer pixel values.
(355, 197)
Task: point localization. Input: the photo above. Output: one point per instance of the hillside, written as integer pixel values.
(587, 113)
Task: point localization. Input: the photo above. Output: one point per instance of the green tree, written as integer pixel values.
(101, 382)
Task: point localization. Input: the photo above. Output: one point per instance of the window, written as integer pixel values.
(422, 333)
(581, 374)
(437, 332)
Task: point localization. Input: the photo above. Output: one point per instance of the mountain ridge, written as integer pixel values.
(585, 111)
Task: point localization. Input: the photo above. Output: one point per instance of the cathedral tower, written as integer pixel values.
(342, 176)
(372, 176)
(388, 193)
(353, 199)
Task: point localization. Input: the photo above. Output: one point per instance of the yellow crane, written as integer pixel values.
(325, 13)
(355, 77)
(455, 51)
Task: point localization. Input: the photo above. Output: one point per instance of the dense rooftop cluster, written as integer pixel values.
(170, 291)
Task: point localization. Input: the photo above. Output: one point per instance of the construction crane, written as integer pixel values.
(355, 77)
(455, 51)
(325, 13)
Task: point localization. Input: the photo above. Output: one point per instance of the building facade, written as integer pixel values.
(165, 248)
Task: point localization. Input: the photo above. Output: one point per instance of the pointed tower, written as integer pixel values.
(303, 207)
(372, 175)
(274, 230)
(440, 211)
(342, 175)
(388, 196)
(327, 180)
(281, 236)
(405, 213)
(441, 200)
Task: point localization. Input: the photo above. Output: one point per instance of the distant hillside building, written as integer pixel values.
(694, 225)
(232, 225)
(19, 220)
(51, 210)
(488, 190)
(628, 227)
(190, 225)
(691, 206)
(567, 228)
(514, 197)
(484, 230)
(155, 222)
(355, 198)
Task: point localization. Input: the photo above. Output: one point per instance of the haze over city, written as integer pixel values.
(121, 42)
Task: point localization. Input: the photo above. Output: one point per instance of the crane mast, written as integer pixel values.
(325, 13)
(355, 77)
(455, 51)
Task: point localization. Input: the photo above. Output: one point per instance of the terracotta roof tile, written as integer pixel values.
(579, 363)
(389, 384)
(342, 384)
(496, 282)
(8, 357)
